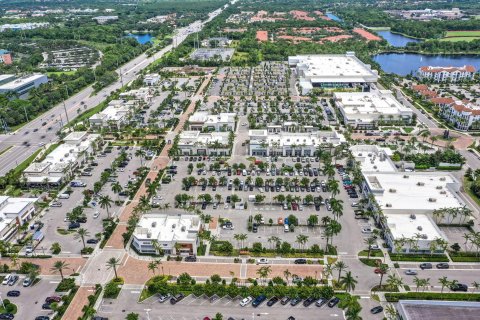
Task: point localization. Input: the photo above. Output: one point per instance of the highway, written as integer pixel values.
(42, 130)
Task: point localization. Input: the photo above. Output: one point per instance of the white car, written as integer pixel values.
(263, 261)
(246, 301)
(164, 298)
(96, 215)
(411, 272)
(6, 279)
(367, 230)
(355, 205)
(225, 206)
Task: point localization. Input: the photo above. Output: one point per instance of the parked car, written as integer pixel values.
(333, 302)
(245, 301)
(191, 258)
(284, 300)
(258, 300)
(7, 316)
(53, 299)
(13, 280)
(426, 265)
(300, 261)
(308, 301)
(295, 301)
(6, 279)
(27, 282)
(272, 301)
(164, 297)
(442, 265)
(177, 298)
(73, 225)
(92, 241)
(44, 318)
(320, 302)
(47, 306)
(376, 310)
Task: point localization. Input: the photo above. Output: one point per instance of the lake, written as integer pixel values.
(333, 17)
(396, 40)
(404, 63)
(142, 38)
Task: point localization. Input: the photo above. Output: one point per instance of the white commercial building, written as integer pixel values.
(373, 158)
(202, 121)
(151, 79)
(23, 26)
(21, 86)
(115, 115)
(275, 142)
(105, 19)
(332, 71)
(413, 233)
(167, 233)
(14, 212)
(413, 192)
(204, 144)
(368, 109)
(452, 74)
(59, 165)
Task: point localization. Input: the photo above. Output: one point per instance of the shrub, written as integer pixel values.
(65, 285)
(395, 297)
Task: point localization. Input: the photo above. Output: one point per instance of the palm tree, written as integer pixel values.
(14, 259)
(81, 234)
(391, 312)
(340, 266)
(264, 271)
(112, 263)
(152, 266)
(301, 240)
(105, 203)
(348, 281)
(383, 269)
(140, 153)
(287, 274)
(444, 282)
(116, 188)
(58, 266)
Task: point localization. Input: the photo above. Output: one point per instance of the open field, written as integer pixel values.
(456, 39)
(455, 36)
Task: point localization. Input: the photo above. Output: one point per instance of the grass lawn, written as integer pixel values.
(373, 253)
(466, 187)
(60, 73)
(5, 150)
(457, 39)
(466, 33)
(22, 166)
(408, 129)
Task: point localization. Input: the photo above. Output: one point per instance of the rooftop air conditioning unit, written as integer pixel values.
(174, 226)
(413, 217)
(388, 205)
(443, 192)
(184, 228)
(432, 200)
(392, 190)
(443, 179)
(405, 177)
(149, 235)
(420, 184)
(439, 187)
(154, 224)
(419, 228)
(424, 236)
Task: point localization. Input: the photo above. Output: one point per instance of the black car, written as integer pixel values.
(442, 265)
(43, 318)
(459, 287)
(46, 306)
(333, 302)
(92, 241)
(284, 300)
(295, 301)
(426, 265)
(7, 316)
(73, 225)
(254, 228)
(99, 318)
(272, 301)
(82, 219)
(376, 310)
(13, 293)
(308, 301)
(300, 261)
(177, 298)
(258, 300)
(191, 258)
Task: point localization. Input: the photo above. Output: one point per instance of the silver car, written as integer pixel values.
(411, 272)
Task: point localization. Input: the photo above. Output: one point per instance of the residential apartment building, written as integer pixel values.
(204, 144)
(6, 57)
(463, 115)
(202, 121)
(58, 166)
(170, 234)
(284, 141)
(368, 109)
(450, 74)
(14, 212)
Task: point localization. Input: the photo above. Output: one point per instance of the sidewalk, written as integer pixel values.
(74, 310)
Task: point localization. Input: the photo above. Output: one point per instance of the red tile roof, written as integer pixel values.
(262, 35)
(420, 87)
(467, 68)
(442, 100)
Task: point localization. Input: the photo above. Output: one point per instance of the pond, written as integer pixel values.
(333, 17)
(142, 38)
(405, 63)
(396, 40)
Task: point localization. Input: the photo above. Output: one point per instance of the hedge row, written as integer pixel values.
(395, 297)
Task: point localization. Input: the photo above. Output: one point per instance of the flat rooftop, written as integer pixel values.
(17, 83)
(438, 310)
(333, 67)
(166, 228)
(375, 103)
(373, 158)
(414, 191)
(403, 226)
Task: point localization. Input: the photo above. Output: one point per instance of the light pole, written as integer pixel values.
(64, 106)
(1, 299)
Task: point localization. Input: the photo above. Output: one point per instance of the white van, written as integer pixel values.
(6, 279)
(64, 196)
(286, 228)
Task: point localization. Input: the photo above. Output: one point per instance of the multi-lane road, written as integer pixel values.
(19, 145)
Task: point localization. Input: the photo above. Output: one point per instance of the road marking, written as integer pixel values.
(54, 281)
(134, 291)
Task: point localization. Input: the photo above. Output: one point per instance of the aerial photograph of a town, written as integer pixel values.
(240, 159)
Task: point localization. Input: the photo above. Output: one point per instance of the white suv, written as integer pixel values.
(246, 301)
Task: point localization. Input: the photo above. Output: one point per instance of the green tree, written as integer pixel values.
(81, 234)
(112, 263)
(106, 203)
(348, 281)
(58, 266)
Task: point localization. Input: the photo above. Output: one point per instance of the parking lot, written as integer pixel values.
(29, 303)
(54, 218)
(192, 307)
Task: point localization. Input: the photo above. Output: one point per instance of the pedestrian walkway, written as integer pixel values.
(74, 310)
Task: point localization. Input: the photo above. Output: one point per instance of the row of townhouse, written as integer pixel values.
(450, 74)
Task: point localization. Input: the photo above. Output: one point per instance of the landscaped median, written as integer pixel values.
(419, 257)
(395, 297)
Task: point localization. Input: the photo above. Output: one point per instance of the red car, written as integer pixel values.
(53, 299)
